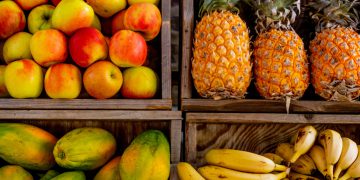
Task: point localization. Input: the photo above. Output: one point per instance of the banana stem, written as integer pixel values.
(330, 172)
(295, 157)
(345, 177)
(337, 172)
(279, 167)
(281, 175)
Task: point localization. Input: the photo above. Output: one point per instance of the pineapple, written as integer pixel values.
(281, 67)
(335, 50)
(221, 66)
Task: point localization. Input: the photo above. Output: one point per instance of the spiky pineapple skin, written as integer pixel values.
(221, 66)
(335, 56)
(280, 65)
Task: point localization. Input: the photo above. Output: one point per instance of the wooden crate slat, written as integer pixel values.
(257, 133)
(166, 49)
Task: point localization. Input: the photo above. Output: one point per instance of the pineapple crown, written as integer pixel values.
(333, 13)
(208, 6)
(275, 14)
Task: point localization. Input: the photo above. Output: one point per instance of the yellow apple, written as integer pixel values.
(102, 80)
(39, 18)
(63, 81)
(29, 4)
(139, 83)
(107, 8)
(71, 15)
(155, 2)
(3, 90)
(24, 79)
(96, 23)
(17, 47)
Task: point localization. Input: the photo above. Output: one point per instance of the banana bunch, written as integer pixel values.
(234, 165)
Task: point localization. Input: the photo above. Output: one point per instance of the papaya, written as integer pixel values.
(14, 172)
(27, 146)
(49, 174)
(146, 158)
(71, 175)
(110, 171)
(84, 148)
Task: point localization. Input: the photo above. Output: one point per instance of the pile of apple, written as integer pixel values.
(60, 47)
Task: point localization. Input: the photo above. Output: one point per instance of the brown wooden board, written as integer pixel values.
(161, 64)
(258, 133)
(192, 102)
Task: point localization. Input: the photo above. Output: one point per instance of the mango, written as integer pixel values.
(147, 158)
(14, 172)
(110, 171)
(84, 148)
(72, 175)
(49, 175)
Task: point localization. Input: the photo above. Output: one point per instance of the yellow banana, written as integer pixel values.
(276, 158)
(285, 150)
(332, 143)
(218, 173)
(304, 165)
(187, 172)
(305, 139)
(348, 155)
(317, 154)
(297, 176)
(242, 161)
(354, 169)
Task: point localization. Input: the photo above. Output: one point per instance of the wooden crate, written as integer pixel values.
(124, 125)
(162, 100)
(192, 102)
(257, 133)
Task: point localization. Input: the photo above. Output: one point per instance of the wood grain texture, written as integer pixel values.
(119, 104)
(166, 49)
(252, 133)
(175, 136)
(269, 106)
(173, 173)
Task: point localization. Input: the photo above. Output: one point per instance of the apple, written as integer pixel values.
(144, 18)
(71, 15)
(96, 23)
(17, 47)
(117, 22)
(12, 19)
(29, 4)
(87, 45)
(107, 8)
(40, 18)
(155, 2)
(139, 83)
(48, 47)
(55, 2)
(63, 81)
(127, 49)
(102, 80)
(3, 90)
(24, 79)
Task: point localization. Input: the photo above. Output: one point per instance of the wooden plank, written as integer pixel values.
(187, 16)
(269, 106)
(253, 133)
(173, 172)
(53, 115)
(166, 49)
(120, 104)
(252, 118)
(175, 136)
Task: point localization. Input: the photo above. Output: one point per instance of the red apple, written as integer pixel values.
(55, 2)
(29, 4)
(128, 49)
(87, 45)
(139, 83)
(63, 81)
(117, 22)
(48, 47)
(102, 80)
(12, 19)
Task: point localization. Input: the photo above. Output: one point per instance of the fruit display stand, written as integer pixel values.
(253, 103)
(124, 125)
(161, 101)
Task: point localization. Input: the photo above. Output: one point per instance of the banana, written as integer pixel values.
(285, 150)
(332, 143)
(354, 169)
(317, 154)
(304, 165)
(276, 158)
(297, 176)
(242, 161)
(305, 139)
(218, 173)
(187, 172)
(348, 155)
